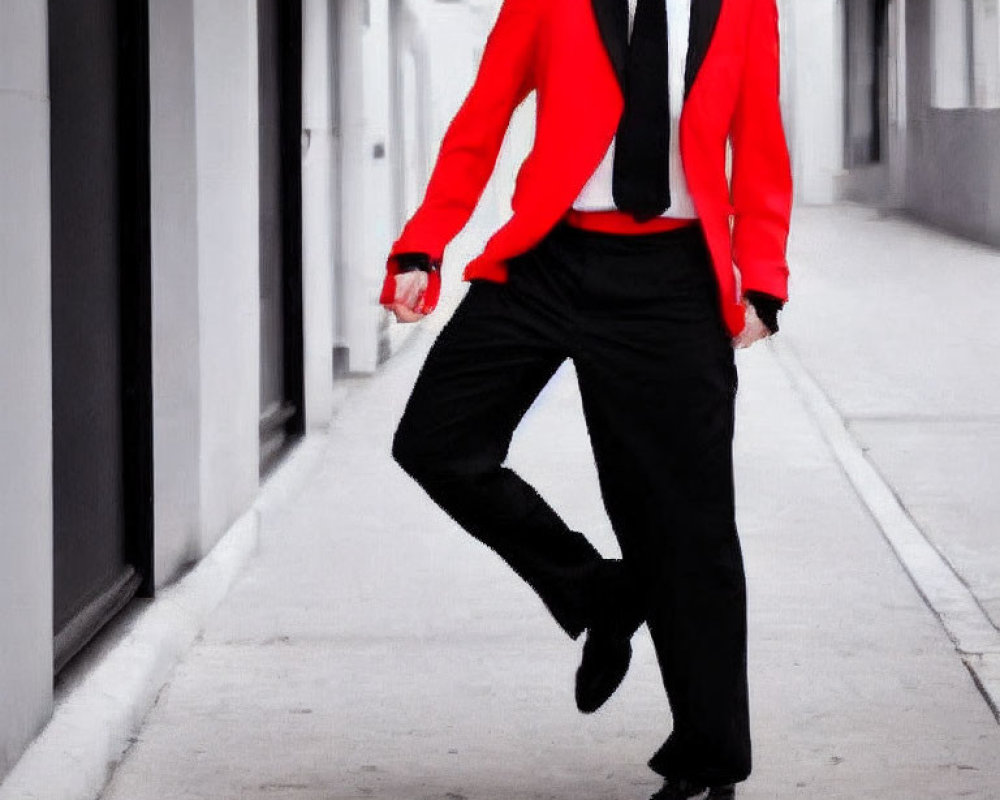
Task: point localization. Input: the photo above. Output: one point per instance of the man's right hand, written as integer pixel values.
(412, 286)
(407, 304)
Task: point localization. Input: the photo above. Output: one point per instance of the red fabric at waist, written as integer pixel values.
(615, 221)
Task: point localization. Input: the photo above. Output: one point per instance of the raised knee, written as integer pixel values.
(428, 462)
(407, 452)
(417, 456)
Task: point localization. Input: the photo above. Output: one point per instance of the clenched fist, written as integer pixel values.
(412, 286)
(761, 318)
(754, 329)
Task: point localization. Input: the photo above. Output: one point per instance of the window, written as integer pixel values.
(952, 73)
(966, 36)
(985, 23)
(865, 81)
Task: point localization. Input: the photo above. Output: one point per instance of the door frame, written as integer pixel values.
(290, 419)
(868, 181)
(135, 335)
(136, 287)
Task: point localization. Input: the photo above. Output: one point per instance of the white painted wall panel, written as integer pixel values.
(176, 307)
(320, 232)
(813, 95)
(25, 380)
(225, 52)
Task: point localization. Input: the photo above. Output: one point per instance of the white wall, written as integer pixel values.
(205, 248)
(320, 180)
(950, 54)
(986, 53)
(813, 94)
(412, 108)
(176, 306)
(366, 200)
(206, 335)
(25, 379)
(205, 274)
(225, 57)
(897, 116)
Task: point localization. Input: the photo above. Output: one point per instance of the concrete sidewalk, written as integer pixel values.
(374, 650)
(899, 324)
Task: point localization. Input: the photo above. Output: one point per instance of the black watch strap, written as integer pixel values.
(408, 262)
(767, 307)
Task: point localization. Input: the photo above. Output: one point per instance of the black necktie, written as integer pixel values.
(641, 173)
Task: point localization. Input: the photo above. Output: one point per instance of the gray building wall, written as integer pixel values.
(25, 380)
(941, 165)
(953, 155)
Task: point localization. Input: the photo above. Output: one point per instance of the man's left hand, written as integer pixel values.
(753, 330)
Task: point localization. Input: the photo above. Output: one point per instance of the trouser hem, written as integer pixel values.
(721, 777)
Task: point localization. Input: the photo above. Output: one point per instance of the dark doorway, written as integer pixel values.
(866, 81)
(280, 87)
(101, 380)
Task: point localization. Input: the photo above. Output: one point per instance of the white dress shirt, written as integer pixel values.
(596, 194)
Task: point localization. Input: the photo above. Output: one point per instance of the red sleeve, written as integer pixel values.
(761, 178)
(471, 144)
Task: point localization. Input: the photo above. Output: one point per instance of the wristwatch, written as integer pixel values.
(408, 262)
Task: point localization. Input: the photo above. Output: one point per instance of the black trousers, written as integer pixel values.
(639, 316)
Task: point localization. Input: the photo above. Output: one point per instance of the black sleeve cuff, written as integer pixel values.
(408, 262)
(767, 307)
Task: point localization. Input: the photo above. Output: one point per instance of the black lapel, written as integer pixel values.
(612, 22)
(704, 16)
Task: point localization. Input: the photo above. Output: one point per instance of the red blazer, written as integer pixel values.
(566, 51)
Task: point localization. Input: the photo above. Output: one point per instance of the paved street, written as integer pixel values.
(373, 650)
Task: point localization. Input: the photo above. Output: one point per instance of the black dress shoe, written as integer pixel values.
(616, 613)
(685, 790)
(605, 661)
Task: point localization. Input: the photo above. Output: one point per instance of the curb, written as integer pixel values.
(96, 722)
(976, 639)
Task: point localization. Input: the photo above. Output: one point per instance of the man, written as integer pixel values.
(632, 252)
